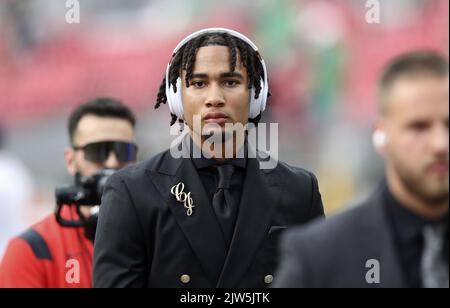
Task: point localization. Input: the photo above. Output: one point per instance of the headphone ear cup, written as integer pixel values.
(264, 87)
(174, 100)
(169, 95)
(178, 100)
(254, 104)
(258, 105)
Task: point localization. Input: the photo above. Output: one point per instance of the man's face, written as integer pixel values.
(216, 94)
(91, 129)
(416, 126)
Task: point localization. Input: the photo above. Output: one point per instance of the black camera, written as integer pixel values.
(87, 191)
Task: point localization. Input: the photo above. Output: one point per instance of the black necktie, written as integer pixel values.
(223, 202)
(434, 269)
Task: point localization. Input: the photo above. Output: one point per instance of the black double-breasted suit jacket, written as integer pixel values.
(145, 237)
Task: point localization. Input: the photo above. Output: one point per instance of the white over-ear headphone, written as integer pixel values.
(174, 99)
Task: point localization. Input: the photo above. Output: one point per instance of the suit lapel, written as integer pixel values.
(257, 204)
(201, 228)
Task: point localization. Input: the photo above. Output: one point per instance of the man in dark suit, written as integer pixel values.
(212, 220)
(399, 237)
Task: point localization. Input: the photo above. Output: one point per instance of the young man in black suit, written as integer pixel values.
(212, 220)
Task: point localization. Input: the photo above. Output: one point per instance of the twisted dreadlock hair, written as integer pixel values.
(184, 59)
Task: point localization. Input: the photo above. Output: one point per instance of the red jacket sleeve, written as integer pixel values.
(20, 268)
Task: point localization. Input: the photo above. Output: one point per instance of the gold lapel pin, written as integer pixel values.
(178, 191)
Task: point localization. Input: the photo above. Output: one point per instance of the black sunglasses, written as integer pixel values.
(98, 152)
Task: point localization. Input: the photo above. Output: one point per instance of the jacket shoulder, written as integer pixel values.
(297, 179)
(296, 171)
(335, 251)
(35, 240)
(327, 244)
(354, 218)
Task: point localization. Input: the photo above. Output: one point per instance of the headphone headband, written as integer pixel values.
(214, 30)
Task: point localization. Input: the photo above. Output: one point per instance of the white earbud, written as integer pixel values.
(379, 138)
(174, 99)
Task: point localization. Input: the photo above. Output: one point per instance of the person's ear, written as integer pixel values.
(69, 156)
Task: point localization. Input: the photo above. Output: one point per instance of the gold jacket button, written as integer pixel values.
(268, 279)
(185, 278)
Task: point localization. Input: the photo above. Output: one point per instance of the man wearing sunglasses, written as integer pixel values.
(102, 136)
